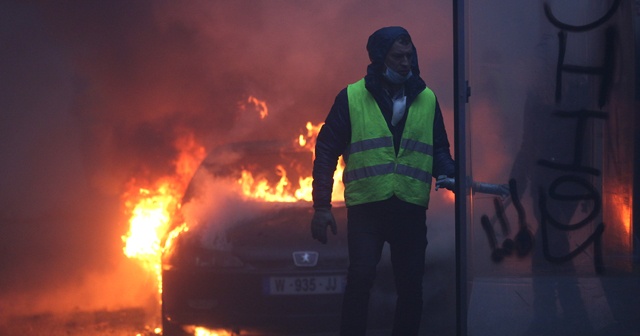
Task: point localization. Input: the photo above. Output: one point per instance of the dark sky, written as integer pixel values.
(94, 93)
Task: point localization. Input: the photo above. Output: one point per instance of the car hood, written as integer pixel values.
(272, 234)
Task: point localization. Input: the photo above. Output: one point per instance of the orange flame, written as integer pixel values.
(309, 142)
(260, 105)
(151, 208)
(263, 191)
(201, 331)
(623, 211)
(149, 221)
(151, 205)
(283, 191)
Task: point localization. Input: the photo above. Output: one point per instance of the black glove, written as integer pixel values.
(321, 219)
(443, 181)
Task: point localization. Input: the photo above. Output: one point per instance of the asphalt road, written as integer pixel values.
(129, 322)
(124, 322)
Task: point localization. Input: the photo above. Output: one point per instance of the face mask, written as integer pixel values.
(395, 77)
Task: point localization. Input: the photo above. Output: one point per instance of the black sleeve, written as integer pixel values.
(332, 141)
(443, 164)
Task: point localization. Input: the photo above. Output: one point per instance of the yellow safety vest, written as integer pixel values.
(373, 171)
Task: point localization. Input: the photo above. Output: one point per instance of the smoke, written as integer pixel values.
(217, 207)
(94, 93)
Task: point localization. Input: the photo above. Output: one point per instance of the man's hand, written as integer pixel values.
(445, 182)
(321, 219)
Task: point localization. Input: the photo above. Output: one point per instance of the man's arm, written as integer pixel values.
(443, 163)
(332, 142)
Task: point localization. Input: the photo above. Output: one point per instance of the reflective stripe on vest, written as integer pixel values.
(374, 172)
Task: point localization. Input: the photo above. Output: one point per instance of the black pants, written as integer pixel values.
(370, 225)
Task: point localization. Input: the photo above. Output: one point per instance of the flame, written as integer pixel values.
(149, 221)
(260, 105)
(202, 331)
(283, 190)
(623, 211)
(152, 205)
(309, 142)
(263, 191)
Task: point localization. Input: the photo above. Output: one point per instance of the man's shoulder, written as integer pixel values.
(342, 94)
(416, 86)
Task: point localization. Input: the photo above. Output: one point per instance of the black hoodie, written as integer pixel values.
(335, 135)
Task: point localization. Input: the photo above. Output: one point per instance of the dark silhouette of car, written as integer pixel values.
(257, 267)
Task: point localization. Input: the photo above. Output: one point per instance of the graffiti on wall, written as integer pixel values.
(571, 170)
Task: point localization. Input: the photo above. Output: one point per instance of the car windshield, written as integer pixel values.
(237, 183)
(271, 171)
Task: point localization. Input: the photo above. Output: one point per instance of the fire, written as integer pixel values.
(201, 331)
(152, 205)
(263, 191)
(150, 218)
(309, 142)
(623, 211)
(283, 191)
(261, 106)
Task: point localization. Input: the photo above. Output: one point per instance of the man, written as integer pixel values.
(389, 128)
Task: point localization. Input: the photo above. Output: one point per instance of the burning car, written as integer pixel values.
(245, 259)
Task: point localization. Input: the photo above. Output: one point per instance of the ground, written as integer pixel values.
(129, 322)
(124, 322)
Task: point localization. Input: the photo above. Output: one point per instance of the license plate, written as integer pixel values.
(307, 285)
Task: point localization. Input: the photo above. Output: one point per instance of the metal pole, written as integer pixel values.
(636, 161)
(461, 94)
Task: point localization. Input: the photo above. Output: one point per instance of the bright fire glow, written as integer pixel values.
(151, 204)
(623, 211)
(151, 207)
(150, 219)
(449, 196)
(201, 331)
(263, 191)
(282, 191)
(260, 105)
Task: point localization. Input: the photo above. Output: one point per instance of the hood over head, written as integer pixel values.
(380, 43)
